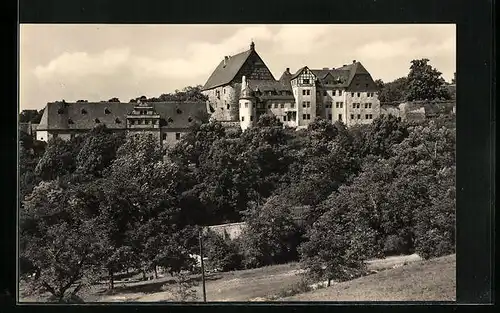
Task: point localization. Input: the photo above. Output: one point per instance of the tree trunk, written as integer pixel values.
(111, 280)
(329, 282)
(156, 272)
(143, 274)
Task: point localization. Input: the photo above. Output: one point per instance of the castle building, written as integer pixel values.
(165, 121)
(242, 88)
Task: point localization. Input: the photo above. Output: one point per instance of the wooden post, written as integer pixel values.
(202, 265)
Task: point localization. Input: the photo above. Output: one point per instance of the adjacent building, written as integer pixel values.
(166, 121)
(242, 88)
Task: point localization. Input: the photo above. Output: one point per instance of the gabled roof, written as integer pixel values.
(83, 115)
(223, 74)
(345, 73)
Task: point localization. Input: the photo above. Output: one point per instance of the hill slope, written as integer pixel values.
(431, 280)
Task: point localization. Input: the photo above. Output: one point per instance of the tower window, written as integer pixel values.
(242, 118)
(246, 104)
(177, 136)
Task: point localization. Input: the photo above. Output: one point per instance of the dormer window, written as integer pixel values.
(60, 111)
(170, 120)
(84, 111)
(107, 111)
(70, 121)
(117, 121)
(190, 119)
(97, 120)
(179, 111)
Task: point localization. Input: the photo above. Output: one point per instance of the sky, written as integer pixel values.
(98, 62)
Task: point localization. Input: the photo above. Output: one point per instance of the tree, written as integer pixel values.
(223, 254)
(271, 235)
(380, 84)
(394, 91)
(59, 158)
(425, 82)
(114, 100)
(454, 79)
(98, 150)
(30, 116)
(382, 134)
(62, 238)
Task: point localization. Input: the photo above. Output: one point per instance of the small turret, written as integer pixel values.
(246, 92)
(247, 105)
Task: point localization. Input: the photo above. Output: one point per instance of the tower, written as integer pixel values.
(246, 104)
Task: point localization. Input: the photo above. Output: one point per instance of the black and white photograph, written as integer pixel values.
(236, 163)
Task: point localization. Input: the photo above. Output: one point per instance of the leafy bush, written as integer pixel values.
(223, 254)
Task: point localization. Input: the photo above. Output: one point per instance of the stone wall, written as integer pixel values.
(229, 231)
(225, 105)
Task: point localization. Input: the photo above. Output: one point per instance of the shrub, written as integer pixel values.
(223, 254)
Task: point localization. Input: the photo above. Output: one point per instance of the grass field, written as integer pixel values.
(419, 280)
(432, 280)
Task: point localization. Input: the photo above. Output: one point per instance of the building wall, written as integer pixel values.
(229, 96)
(229, 231)
(42, 135)
(389, 110)
(362, 99)
(279, 108)
(247, 113)
(169, 138)
(298, 86)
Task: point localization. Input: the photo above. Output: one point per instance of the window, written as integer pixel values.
(251, 118)
(304, 116)
(224, 90)
(253, 105)
(70, 121)
(371, 116)
(84, 111)
(246, 104)
(308, 92)
(303, 92)
(352, 94)
(177, 136)
(330, 117)
(275, 105)
(366, 85)
(359, 116)
(164, 136)
(369, 105)
(269, 106)
(242, 118)
(308, 116)
(282, 105)
(303, 104)
(107, 111)
(227, 106)
(308, 104)
(352, 116)
(359, 94)
(366, 116)
(284, 118)
(305, 81)
(325, 93)
(354, 105)
(357, 106)
(340, 117)
(170, 120)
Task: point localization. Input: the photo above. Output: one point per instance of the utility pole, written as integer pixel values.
(202, 265)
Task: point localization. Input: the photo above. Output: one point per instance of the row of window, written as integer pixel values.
(306, 92)
(357, 105)
(358, 94)
(334, 93)
(338, 105)
(330, 117)
(306, 116)
(306, 104)
(367, 116)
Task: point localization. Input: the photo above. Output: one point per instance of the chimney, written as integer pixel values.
(252, 45)
(333, 68)
(287, 70)
(353, 61)
(344, 65)
(225, 60)
(243, 82)
(325, 68)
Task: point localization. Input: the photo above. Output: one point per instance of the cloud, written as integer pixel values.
(406, 47)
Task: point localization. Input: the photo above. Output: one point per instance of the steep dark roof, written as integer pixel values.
(286, 77)
(345, 73)
(83, 115)
(277, 87)
(223, 74)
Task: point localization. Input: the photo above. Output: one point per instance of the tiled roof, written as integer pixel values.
(84, 115)
(345, 73)
(223, 74)
(277, 87)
